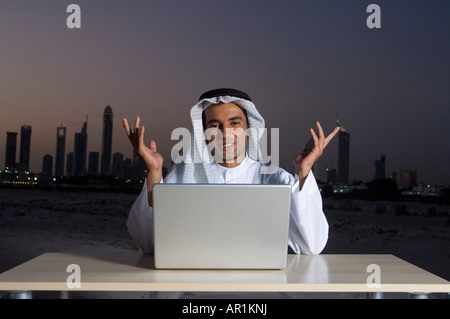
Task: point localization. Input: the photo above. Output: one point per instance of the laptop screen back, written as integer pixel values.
(217, 226)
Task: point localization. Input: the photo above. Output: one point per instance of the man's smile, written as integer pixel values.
(228, 146)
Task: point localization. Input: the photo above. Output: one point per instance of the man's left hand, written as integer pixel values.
(305, 161)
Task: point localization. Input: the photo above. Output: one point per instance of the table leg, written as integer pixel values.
(21, 295)
(375, 295)
(64, 294)
(418, 295)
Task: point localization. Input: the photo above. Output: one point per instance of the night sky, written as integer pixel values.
(300, 61)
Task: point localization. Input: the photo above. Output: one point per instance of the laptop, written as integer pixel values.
(221, 226)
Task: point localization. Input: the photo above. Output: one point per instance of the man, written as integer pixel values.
(222, 151)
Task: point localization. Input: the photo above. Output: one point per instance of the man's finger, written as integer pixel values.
(314, 136)
(126, 126)
(319, 128)
(141, 136)
(332, 134)
(153, 145)
(136, 123)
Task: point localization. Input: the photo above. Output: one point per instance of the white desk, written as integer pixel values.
(135, 272)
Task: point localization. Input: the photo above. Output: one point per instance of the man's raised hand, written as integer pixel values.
(152, 159)
(305, 161)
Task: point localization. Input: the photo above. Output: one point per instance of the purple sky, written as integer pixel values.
(300, 61)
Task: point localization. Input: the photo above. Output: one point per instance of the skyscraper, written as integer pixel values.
(380, 167)
(331, 175)
(80, 151)
(343, 155)
(407, 178)
(47, 165)
(117, 168)
(11, 147)
(93, 163)
(60, 150)
(69, 167)
(107, 141)
(25, 146)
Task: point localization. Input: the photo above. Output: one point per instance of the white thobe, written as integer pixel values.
(308, 227)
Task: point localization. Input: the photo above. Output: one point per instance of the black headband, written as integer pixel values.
(225, 92)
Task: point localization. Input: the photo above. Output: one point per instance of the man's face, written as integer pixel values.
(225, 127)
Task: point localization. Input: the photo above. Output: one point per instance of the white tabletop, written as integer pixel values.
(135, 272)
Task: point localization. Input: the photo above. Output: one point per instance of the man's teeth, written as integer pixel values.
(228, 145)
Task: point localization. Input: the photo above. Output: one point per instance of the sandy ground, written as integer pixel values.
(36, 221)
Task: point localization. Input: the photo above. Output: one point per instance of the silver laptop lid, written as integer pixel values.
(217, 226)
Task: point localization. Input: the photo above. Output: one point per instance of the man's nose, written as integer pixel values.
(228, 132)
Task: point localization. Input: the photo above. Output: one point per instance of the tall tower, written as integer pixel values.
(60, 150)
(107, 141)
(343, 155)
(11, 147)
(25, 146)
(93, 163)
(47, 165)
(380, 167)
(69, 165)
(117, 167)
(80, 151)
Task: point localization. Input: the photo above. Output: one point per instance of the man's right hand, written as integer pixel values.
(152, 159)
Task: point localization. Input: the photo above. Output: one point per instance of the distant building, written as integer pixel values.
(25, 147)
(128, 169)
(407, 178)
(380, 167)
(11, 148)
(60, 151)
(69, 166)
(393, 176)
(93, 163)
(343, 155)
(118, 166)
(331, 175)
(80, 151)
(47, 165)
(107, 141)
(18, 179)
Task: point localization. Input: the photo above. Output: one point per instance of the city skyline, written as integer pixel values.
(89, 163)
(299, 61)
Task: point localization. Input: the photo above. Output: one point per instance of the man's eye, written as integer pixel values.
(235, 123)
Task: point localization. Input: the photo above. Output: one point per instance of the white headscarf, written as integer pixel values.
(198, 165)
